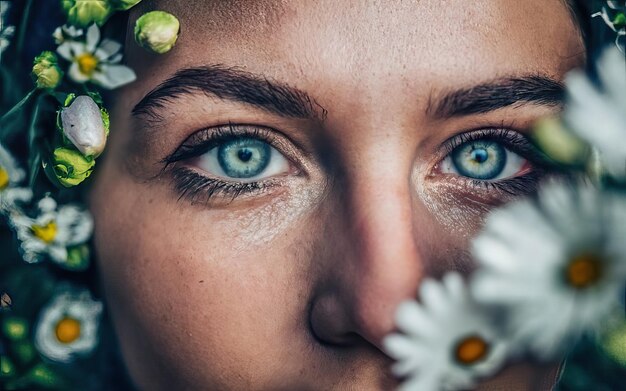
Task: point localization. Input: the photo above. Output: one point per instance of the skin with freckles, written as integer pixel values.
(292, 282)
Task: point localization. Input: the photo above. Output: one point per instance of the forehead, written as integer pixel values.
(368, 42)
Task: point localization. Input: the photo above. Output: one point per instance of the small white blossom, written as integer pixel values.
(447, 342)
(68, 326)
(66, 33)
(557, 263)
(598, 115)
(96, 61)
(620, 39)
(10, 177)
(52, 232)
(6, 32)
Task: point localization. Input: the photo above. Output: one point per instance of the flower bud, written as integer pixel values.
(15, 328)
(77, 258)
(84, 125)
(123, 5)
(559, 143)
(46, 70)
(82, 13)
(70, 166)
(157, 31)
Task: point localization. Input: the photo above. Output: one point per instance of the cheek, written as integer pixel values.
(186, 286)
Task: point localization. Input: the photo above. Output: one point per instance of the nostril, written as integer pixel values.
(330, 323)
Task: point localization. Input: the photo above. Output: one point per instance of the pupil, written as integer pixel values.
(244, 155)
(480, 155)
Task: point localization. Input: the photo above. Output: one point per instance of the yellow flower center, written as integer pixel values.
(583, 270)
(67, 330)
(470, 350)
(87, 63)
(46, 233)
(4, 178)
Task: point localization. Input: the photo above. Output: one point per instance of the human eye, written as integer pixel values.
(494, 159)
(228, 161)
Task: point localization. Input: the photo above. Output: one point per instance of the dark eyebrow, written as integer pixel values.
(498, 94)
(231, 83)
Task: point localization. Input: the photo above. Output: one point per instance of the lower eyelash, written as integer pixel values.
(520, 185)
(199, 188)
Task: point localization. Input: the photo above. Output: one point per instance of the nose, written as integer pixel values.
(375, 258)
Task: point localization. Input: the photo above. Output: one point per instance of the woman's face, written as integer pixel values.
(260, 216)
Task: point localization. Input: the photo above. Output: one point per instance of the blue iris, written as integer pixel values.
(481, 159)
(244, 157)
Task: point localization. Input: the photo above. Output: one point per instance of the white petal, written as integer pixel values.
(65, 50)
(114, 76)
(76, 74)
(93, 37)
(107, 48)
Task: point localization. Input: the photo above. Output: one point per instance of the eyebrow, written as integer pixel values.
(230, 83)
(497, 94)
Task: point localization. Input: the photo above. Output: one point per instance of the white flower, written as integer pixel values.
(558, 263)
(68, 326)
(599, 116)
(96, 61)
(621, 32)
(53, 231)
(6, 32)
(10, 177)
(447, 341)
(66, 33)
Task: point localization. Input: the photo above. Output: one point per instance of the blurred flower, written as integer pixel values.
(6, 32)
(598, 116)
(46, 70)
(10, 177)
(84, 126)
(82, 13)
(614, 17)
(157, 31)
(558, 263)
(96, 61)
(68, 326)
(66, 33)
(123, 5)
(447, 342)
(52, 232)
(70, 167)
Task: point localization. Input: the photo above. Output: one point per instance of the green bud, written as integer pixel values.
(77, 258)
(46, 70)
(614, 344)
(45, 377)
(15, 328)
(619, 21)
(157, 31)
(560, 144)
(82, 13)
(7, 369)
(70, 166)
(123, 5)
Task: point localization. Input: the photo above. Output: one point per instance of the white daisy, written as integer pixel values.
(96, 61)
(53, 231)
(447, 342)
(598, 116)
(10, 177)
(68, 326)
(558, 263)
(6, 32)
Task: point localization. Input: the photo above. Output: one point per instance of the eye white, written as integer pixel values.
(209, 163)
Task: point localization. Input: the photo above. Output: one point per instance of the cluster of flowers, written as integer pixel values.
(549, 269)
(67, 327)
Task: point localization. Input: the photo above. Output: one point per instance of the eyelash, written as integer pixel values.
(192, 185)
(513, 141)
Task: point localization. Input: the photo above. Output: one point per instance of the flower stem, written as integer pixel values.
(24, 27)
